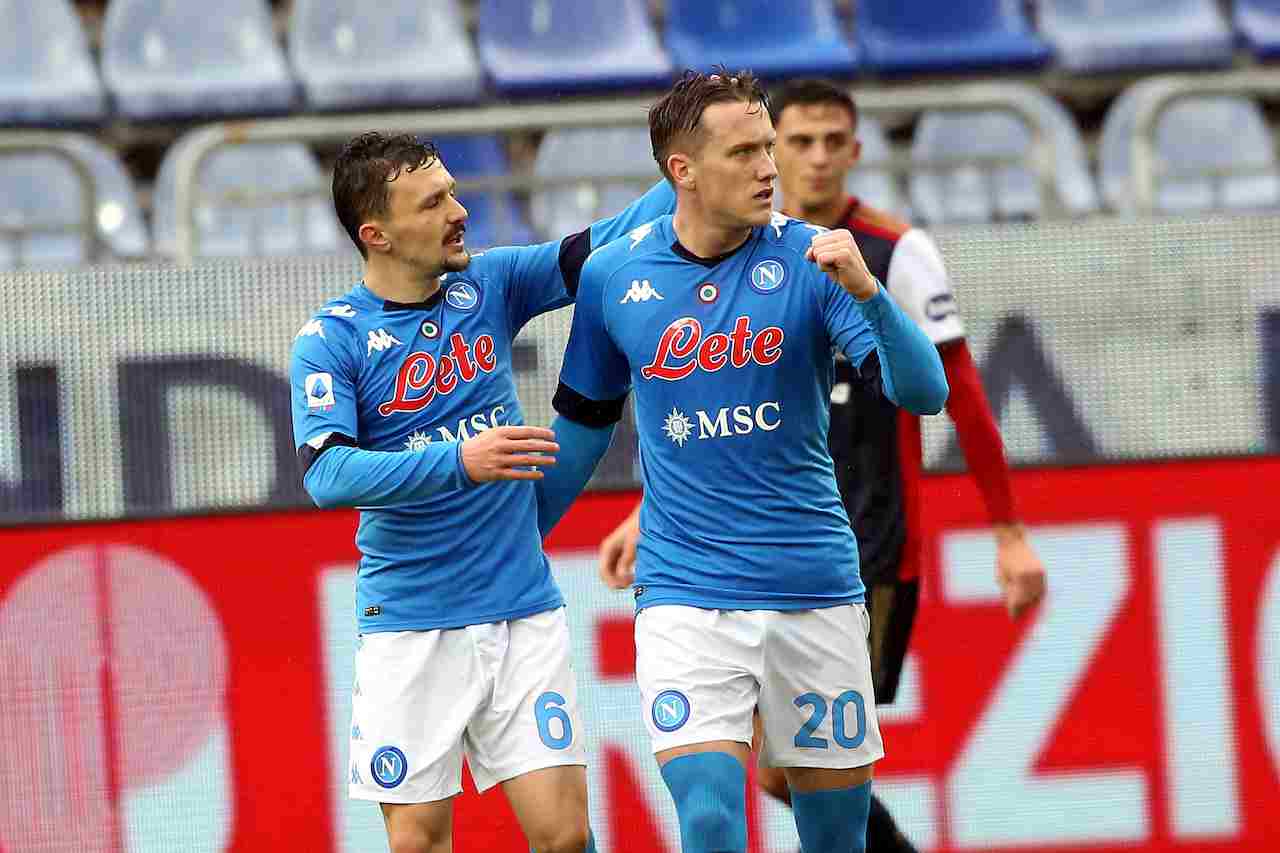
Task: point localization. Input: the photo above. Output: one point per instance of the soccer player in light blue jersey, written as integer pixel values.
(724, 319)
(404, 405)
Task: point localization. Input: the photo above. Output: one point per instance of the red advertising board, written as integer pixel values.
(180, 684)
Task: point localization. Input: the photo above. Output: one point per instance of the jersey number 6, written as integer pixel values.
(548, 708)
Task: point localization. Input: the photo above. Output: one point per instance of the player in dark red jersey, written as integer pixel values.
(875, 445)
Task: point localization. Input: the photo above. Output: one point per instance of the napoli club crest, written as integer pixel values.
(463, 296)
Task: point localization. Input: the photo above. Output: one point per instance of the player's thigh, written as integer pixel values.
(698, 672)
(405, 744)
(551, 806)
(531, 720)
(419, 827)
(817, 701)
(892, 606)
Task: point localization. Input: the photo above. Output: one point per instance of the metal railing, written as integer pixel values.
(51, 142)
(197, 145)
(1158, 95)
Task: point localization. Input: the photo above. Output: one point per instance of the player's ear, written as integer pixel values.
(857, 150)
(681, 169)
(374, 237)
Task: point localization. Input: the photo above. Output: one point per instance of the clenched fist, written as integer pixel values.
(507, 452)
(837, 255)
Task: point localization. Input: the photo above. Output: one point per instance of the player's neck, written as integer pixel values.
(395, 283)
(828, 215)
(705, 239)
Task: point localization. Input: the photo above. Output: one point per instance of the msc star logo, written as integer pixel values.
(417, 441)
(678, 427)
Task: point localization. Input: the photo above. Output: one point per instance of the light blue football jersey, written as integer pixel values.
(731, 360)
(396, 377)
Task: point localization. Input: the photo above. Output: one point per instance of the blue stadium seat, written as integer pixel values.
(493, 218)
(1194, 135)
(287, 227)
(773, 41)
(982, 193)
(46, 75)
(42, 189)
(1258, 22)
(1091, 36)
(612, 152)
(164, 58)
(530, 46)
(877, 187)
(350, 57)
(119, 216)
(901, 36)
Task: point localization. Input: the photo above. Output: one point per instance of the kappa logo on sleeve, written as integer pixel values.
(319, 388)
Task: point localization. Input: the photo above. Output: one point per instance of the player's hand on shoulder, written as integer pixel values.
(618, 553)
(837, 255)
(508, 453)
(1019, 572)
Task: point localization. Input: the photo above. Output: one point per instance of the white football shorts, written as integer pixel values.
(503, 694)
(703, 672)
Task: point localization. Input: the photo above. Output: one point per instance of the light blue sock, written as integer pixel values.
(710, 793)
(833, 821)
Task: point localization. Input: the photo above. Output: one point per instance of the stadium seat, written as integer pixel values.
(1090, 36)
(46, 75)
(530, 46)
(590, 152)
(119, 216)
(493, 218)
(1258, 23)
(41, 189)
(983, 193)
(287, 227)
(1197, 134)
(901, 36)
(878, 188)
(755, 34)
(347, 57)
(169, 59)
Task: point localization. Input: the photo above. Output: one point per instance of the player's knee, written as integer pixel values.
(570, 836)
(406, 837)
(412, 841)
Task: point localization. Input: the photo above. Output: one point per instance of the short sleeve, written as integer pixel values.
(322, 383)
(918, 283)
(594, 367)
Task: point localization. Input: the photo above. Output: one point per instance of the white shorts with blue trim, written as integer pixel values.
(503, 694)
(703, 673)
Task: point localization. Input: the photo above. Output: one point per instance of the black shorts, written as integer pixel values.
(893, 613)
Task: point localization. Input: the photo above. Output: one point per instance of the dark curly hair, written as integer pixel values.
(677, 115)
(364, 171)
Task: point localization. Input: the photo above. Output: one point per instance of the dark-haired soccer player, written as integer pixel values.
(876, 446)
(724, 319)
(404, 405)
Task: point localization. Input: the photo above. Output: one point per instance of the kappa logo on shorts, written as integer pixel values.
(670, 710)
(388, 766)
